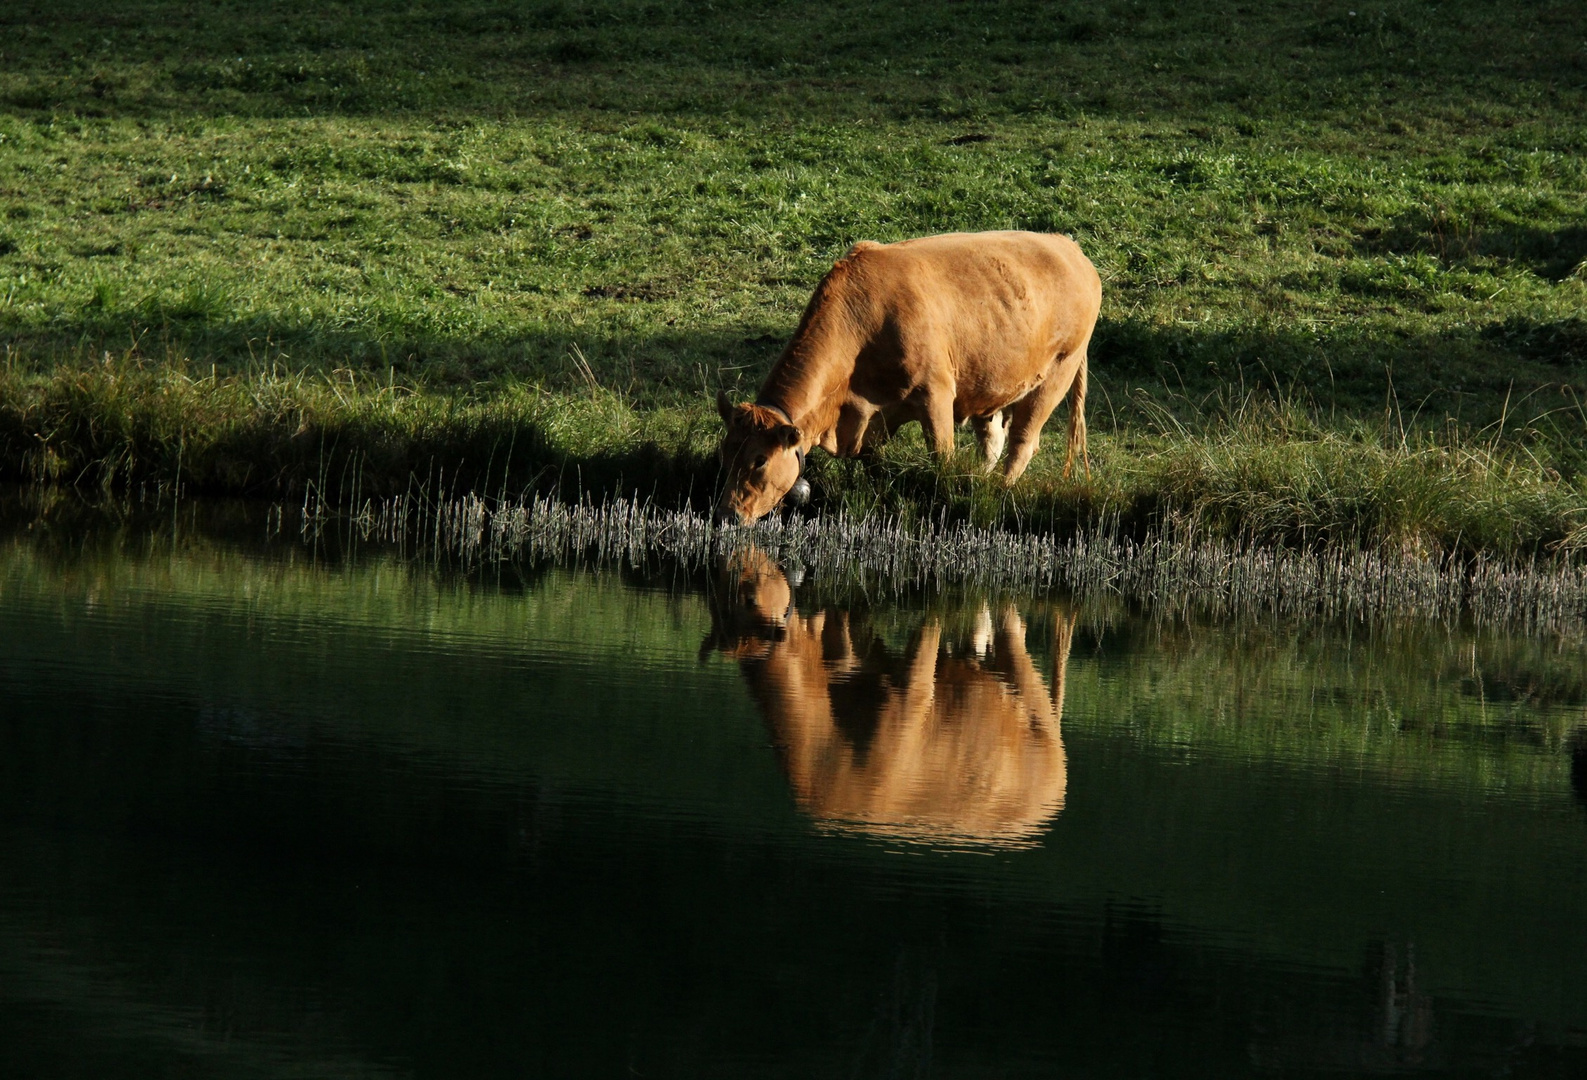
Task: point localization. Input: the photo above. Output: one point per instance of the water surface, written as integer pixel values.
(265, 814)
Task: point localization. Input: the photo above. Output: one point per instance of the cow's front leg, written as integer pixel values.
(937, 420)
(854, 420)
(881, 429)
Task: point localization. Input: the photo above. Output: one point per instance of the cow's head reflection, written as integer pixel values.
(941, 743)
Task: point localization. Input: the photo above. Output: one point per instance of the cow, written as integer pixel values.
(942, 744)
(990, 328)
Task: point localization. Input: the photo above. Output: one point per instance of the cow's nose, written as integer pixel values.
(726, 516)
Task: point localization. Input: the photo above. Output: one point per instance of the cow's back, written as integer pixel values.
(990, 310)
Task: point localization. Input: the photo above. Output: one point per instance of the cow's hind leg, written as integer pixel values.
(1032, 411)
(992, 432)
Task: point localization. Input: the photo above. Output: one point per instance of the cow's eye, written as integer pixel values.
(760, 462)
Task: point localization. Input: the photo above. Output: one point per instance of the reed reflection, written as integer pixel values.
(945, 743)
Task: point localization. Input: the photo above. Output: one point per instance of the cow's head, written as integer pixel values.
(762, 460)
(750, 606)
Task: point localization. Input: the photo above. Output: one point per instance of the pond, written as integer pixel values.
(266, 811)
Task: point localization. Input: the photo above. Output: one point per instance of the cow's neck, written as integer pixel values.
(810, 382)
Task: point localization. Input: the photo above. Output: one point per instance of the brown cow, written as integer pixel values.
(938, 745)
(986, 327)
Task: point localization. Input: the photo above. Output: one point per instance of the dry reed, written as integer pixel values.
(1168, 572)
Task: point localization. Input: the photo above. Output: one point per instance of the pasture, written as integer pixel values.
(246, 247)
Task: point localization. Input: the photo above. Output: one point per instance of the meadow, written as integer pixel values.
(250, 247)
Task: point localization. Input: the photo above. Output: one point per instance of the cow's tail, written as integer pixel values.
(1077, 415)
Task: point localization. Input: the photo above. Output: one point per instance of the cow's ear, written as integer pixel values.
(724, 406)
(788, 435)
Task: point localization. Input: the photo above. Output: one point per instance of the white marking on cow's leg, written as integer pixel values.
(992, 432)
(981, 637)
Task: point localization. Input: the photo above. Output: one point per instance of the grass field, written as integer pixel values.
(247, 246)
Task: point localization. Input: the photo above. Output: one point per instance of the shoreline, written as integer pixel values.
(1263, 471)
(1166, 572)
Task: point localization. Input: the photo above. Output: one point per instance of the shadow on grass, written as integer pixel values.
(348, 435)
(1515, 369)
(646, 368)
(272, 409)
(121, 429)
(151, 57)
(1455, 238)
(1473, 372)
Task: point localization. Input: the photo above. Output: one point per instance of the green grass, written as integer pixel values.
(1343, 254)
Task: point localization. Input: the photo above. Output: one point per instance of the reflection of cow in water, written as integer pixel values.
(937, 745)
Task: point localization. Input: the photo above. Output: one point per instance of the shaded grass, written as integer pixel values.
(751, 59)
(1260, 471)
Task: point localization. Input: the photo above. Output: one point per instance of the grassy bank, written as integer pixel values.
(246, 247)
(1264, 470)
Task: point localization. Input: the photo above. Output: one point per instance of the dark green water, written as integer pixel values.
(265, 816)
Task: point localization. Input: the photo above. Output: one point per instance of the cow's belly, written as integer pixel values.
(996, 361)
(977, 399)
(983, 364)
(982, 385)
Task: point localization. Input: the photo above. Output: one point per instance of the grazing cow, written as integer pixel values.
(986, 327)
(941, 745)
